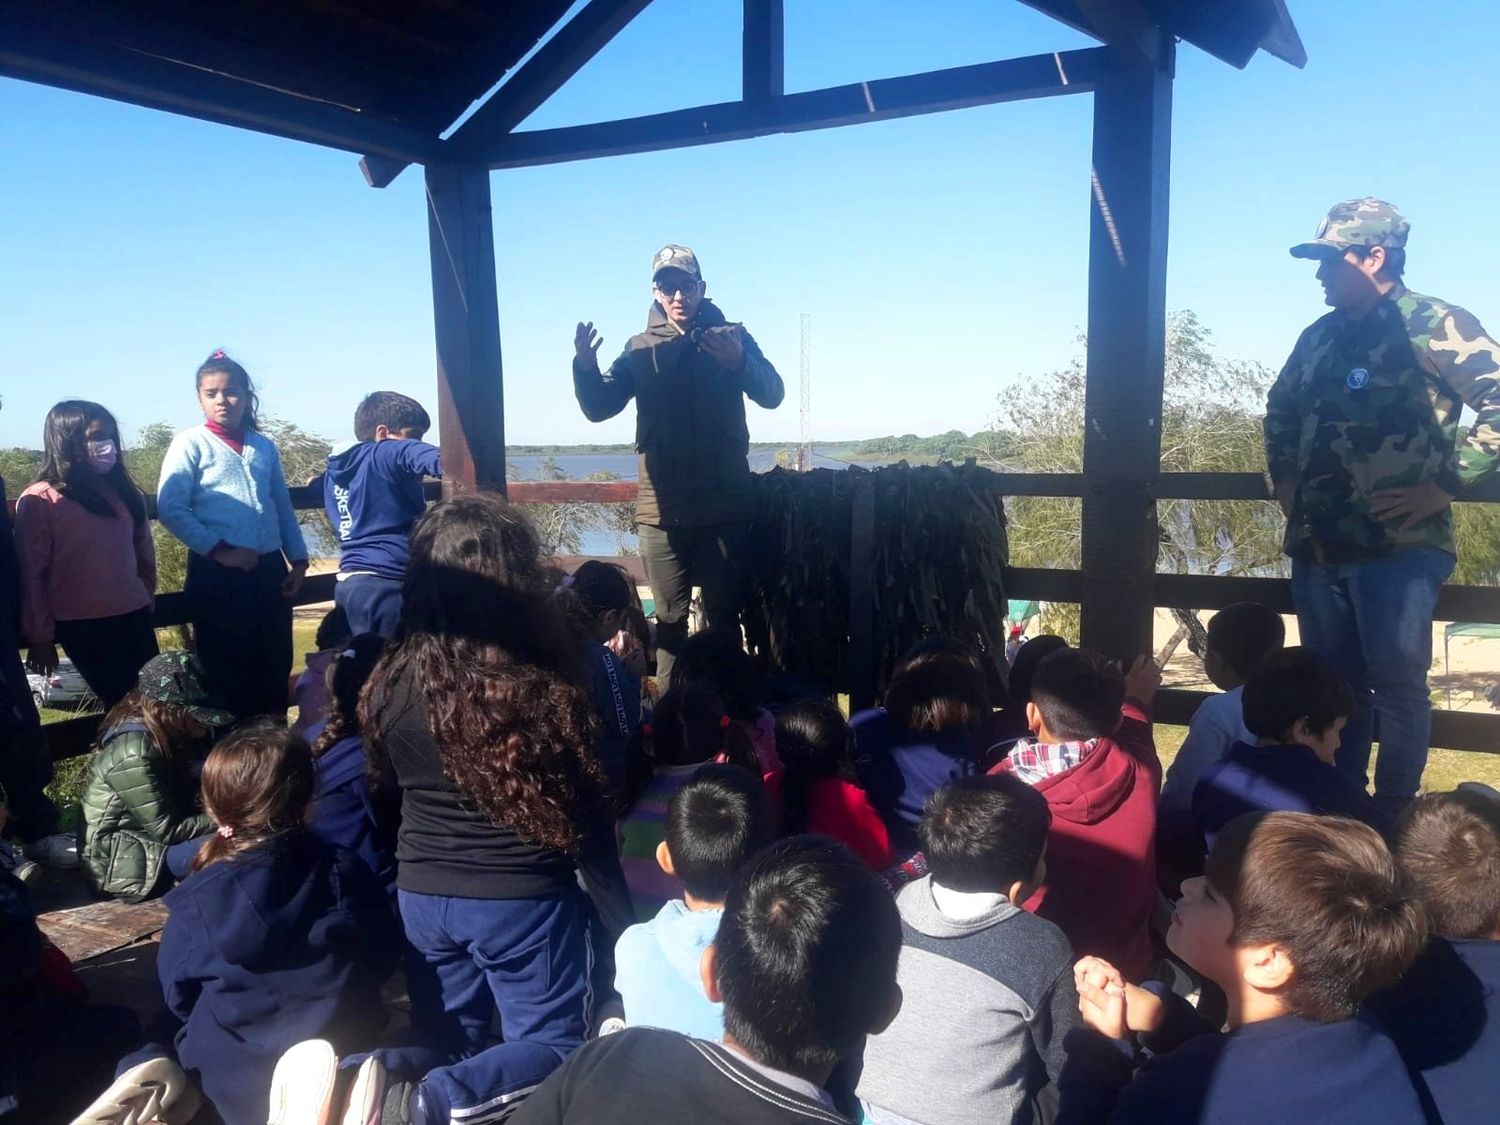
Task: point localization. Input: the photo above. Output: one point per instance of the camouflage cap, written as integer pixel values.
(1356, 222)
(676, 258)
(177, 678)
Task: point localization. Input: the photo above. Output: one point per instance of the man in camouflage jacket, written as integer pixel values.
(1364, 454)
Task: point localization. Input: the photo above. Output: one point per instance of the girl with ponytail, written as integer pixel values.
(277, 936)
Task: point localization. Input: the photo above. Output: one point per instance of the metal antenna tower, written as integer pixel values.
(804, 447)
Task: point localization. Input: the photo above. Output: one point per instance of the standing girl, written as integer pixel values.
(88, 569)
(478, 710)
(223, 494)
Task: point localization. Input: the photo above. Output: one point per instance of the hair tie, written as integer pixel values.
(724, 722)
(348, 654)
(647, 730)
(218, 353)
(227, 831)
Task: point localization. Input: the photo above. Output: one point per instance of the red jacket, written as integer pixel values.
(1101, 853)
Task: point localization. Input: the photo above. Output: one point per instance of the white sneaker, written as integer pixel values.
(304, 1084)
(367, 1095)
(155, 1091)
(60, 850)
(17, 864)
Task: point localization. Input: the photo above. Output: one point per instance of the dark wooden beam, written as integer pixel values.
(1035, 76)
(466, 318)
(158, 83)
(1126, 355)
(862, 670)
(764, 69)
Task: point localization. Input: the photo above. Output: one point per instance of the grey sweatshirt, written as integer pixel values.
(985, 1005)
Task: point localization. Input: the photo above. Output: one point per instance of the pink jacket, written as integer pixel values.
(76, 566)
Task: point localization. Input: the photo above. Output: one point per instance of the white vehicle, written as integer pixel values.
(63, 687)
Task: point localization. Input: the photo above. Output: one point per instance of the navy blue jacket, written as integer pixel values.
(617, 701)
(373, 494)
(900, 769)
(1276, 779)
(1287, 1069)
(349, 813)
(287, 941)
(1444, 1016)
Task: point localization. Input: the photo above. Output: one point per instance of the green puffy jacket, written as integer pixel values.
(136, 803)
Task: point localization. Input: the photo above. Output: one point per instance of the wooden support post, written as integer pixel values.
(1126, 353)
(466, 318)
(862, 672)
(764, 50)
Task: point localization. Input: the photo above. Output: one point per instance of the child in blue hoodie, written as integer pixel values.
(276, 937)
(715, 824)
(373, 494)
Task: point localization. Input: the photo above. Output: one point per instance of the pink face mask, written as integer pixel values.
(103, 455)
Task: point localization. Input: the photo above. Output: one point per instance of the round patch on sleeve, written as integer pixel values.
(1357, 379)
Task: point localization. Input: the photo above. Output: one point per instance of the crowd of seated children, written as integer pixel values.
(717, 657)
(1295, 706)
(1298, 920)
(1444, 1014)
(926, 734)
(715, 824)
(688, 729)
(1240, 636)
(818, 790)
(987, 988)
(1091, 755)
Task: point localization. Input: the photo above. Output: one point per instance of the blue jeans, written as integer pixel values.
(469, 958)
(371, 603)
(1373, 621)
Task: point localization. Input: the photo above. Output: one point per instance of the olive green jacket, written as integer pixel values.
(136, 804)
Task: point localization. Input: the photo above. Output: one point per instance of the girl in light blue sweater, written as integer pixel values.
(223, 494)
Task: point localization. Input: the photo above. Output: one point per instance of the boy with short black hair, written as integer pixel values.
(1240, 637)
(715, 824)
(1444, 1014)
(1296, 705)
(805, 964)
(1092, 757)
(1298, 920)
(987, 989)
(372, 493)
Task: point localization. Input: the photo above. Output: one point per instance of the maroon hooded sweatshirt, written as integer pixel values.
(1101, 853)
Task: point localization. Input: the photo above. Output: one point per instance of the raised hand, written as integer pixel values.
(725, 345)
(586, 343)
(1142, 680)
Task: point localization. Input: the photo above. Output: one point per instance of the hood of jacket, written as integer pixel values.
(1094, 788)
(343, 465)
(264, 902)
(682, 935)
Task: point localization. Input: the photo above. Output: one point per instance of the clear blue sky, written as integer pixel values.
(940, 257)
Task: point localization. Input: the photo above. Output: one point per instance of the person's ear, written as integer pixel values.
(1033, 718)
(890, 1012)
(664, 858)
(1374, 261)
(1267, 968)
(708, 975)
(1023, 889)
(382, 431)
(1301, 733)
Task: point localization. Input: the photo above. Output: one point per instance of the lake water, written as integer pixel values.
(579, 466)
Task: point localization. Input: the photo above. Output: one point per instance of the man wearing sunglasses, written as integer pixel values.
(1363, 447)
(689, 372)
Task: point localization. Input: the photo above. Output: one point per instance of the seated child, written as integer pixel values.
(805, 966)
(818, 790)
(924, 736)
(598, 597)
(350, 810)
(718, 657)
(372, 493)
(275, 938)
(688, 730)
(1094, 760)
(1298, 920)
(310, 686)
(1444, 1015)
(1296, 705)
(715, 824)
(140, 797)
(987, 989)
(1240, 637)
(1008, 724)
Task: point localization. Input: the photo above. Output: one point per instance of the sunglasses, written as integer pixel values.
(667, 287)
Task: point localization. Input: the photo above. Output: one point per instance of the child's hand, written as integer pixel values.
(1143, 1010)
(1142, 680)
(236, 558)
(1101, 998)
(291, 585)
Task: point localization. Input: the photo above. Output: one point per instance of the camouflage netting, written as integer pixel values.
(939, 554)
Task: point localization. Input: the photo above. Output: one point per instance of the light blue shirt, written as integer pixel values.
(656, 972)
(1217, 725)
(209, 494)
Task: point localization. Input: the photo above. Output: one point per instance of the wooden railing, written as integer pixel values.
(1455, 730)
